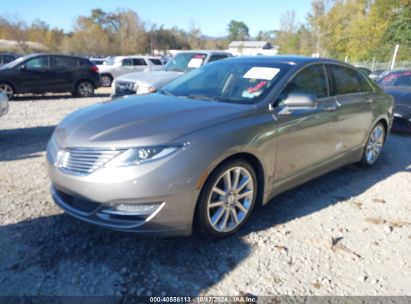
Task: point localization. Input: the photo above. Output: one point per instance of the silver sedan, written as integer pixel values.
(204, 150)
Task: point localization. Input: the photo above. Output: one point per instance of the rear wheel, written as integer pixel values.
(374, 145)
(84, 89)
(7, 90)
(106, 80)
(227, 199)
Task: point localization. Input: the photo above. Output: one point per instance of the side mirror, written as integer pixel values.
(297, 100)
(23, 67)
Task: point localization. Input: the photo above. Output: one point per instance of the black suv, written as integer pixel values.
(43, 73)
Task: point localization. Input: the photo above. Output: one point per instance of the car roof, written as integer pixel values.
(135, 56)
(398, 71)
(208, 52)
(50, 54)
(290, 59)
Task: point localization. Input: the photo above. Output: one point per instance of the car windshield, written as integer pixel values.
(13, 63)
(239, 82)
(109, 61)
(185, 61)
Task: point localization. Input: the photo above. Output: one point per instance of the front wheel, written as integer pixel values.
(7, 90)
(227, 199)
(84, 89)
(374, 146)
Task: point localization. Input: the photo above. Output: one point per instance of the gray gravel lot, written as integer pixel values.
(346, 233)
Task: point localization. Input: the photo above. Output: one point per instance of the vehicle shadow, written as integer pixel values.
(68, 257)
(23, 143)
(28, 97)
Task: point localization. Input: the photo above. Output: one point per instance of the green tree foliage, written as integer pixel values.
(238, 31)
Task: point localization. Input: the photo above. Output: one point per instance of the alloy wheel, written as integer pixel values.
(85, 89)
(7, 90)
(375, 144)
(106, 81)
(230, 199)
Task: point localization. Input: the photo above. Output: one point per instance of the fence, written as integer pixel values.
(372, 65)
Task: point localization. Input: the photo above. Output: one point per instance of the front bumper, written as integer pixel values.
(401, 123)
(164, 184)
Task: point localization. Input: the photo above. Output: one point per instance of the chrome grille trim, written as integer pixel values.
(85, 161)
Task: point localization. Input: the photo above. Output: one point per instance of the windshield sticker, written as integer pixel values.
(257, 86)
(250, 95)
(261, 73)
(195, 63)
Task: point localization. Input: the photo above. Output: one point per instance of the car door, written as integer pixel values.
(63, 70)
(305, 136)
(355, 98)
(34, 75)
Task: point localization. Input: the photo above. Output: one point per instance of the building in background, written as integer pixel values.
(252, 48)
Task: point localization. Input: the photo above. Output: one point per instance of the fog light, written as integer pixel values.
(132, 209)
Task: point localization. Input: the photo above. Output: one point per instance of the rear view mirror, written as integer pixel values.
(297, 100)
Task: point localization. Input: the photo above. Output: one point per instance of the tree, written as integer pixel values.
(287, 37)
(238, 31)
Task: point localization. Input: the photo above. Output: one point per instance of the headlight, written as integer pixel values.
(141, 90)
(137, 156)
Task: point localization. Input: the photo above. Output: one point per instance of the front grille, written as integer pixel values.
(125, 88)
(80, 204)
(84, 162)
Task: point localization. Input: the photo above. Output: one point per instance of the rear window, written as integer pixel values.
(84, 62)
(64, 62)
(400, 79)
(156, 61)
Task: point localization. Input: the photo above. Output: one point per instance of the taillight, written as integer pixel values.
(94, 69)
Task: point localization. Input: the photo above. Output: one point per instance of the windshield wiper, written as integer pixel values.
(205, 97)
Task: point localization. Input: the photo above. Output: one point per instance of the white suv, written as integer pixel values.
(120, 65)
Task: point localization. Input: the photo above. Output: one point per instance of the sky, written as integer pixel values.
(211, 16)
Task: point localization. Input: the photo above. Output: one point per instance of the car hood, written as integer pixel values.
(152, 78)
(153, 119)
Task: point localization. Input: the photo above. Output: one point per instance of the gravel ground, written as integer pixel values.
(346, 233)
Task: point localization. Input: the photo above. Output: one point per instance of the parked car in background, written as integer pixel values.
(8, 57)
(374, 75)
(365, 71)
(209, 146)
(49, 73)
(120, 65)
(4, 104)
(98, 60)
(181, 63)
(398, 84)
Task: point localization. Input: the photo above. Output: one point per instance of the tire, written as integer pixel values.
(222, 210)
(7, 90)
(84, 89)
(106, 80)
(374, 146)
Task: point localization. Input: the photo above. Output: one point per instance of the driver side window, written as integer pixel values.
(311, 80)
